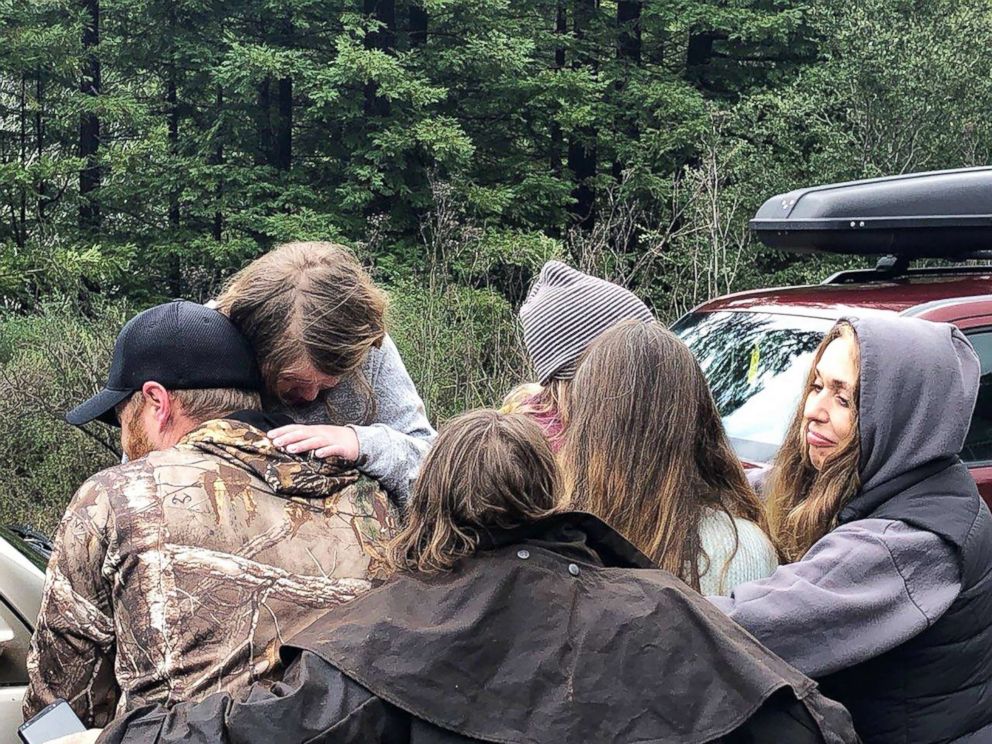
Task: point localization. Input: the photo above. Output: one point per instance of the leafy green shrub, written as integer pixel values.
(461, 345)
(49, 362)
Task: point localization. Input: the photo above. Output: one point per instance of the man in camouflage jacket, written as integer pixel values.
(179, 574)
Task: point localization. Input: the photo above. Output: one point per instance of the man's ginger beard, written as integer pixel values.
(138, 443)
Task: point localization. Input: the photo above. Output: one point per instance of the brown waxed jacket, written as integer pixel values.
(180, 574)
(560, 631)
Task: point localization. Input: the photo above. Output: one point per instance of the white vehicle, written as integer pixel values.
(22, 579)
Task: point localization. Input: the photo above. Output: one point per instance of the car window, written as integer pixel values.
(978, 445)
(756, 366)
(30, 552)
(13, 653)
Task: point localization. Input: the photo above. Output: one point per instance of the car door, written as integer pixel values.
(973, 315)
(15, 637)
(22, 579)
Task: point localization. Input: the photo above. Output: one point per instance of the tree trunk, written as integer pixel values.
(174, 173)
(629, 27)
(629, 55)
(418, 20)
(89, 123)
(561, 28)
(383, 11)
(264, 118)
(284, 130)
(172, 106)
(700, 49)
(699, 55)
(218, 160)
(22, 231)
(283, 143)
(41, 187)
(582, 146)
(384, 39)
(582, 163)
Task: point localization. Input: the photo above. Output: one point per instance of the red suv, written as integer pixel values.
(756, 347)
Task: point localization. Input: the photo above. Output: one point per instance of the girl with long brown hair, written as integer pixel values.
(317, 323)
(646, 451)
(510, 621)
(888, 597)
(492, 471)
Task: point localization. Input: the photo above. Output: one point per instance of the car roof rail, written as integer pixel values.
(893, 267)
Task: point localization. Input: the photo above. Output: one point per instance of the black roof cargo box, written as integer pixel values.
(942, 214)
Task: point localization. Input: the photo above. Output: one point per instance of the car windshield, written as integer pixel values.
(756, 364)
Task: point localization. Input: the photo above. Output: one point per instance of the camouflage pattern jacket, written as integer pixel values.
(180, 574)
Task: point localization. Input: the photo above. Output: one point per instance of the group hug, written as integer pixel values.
(290, 553)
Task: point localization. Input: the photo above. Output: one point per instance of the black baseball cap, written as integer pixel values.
(181, 345)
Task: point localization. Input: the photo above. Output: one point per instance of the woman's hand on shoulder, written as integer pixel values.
(321, 439)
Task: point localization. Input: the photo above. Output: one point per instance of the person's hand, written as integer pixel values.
(87, 737)
(322, 440)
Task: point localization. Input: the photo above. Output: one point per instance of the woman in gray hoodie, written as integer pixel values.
(888, 600)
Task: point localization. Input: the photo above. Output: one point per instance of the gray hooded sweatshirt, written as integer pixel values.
(870, 585)
(390, 447)
(392, 444)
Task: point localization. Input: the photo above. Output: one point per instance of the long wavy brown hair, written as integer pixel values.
(486, 471)
(803, 502)
(306, 300)
(645, 448)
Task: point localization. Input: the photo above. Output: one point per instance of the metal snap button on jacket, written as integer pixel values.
(573, 569)
(525, 554)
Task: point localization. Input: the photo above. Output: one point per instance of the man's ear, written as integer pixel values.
(158, 402)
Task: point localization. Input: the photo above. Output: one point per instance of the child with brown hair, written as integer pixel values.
(646, 451)
(317, 323)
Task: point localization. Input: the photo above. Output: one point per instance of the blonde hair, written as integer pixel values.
(520, 399)
(487, 470)
(306, 300)
(645, 448)
(534, 399)
(803, 502)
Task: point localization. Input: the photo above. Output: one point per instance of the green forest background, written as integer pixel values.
(148, 148)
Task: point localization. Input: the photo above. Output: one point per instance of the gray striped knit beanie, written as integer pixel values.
(564, 311)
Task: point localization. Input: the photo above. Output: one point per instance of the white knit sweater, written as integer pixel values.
(755, 557)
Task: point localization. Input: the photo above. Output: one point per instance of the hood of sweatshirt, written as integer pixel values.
(918, 386)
